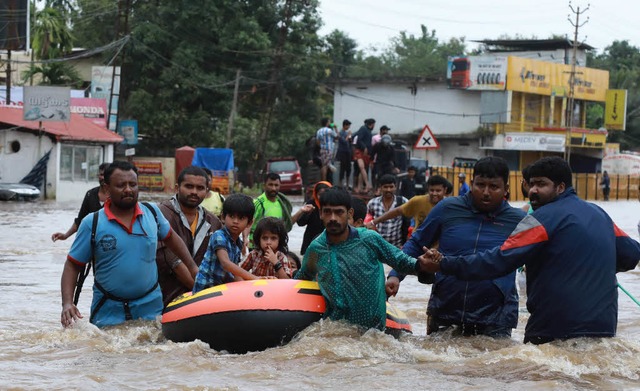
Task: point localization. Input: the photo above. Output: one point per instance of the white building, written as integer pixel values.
(406, 106)
(77, 149)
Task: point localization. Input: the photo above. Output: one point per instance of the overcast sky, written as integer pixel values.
(374, 22)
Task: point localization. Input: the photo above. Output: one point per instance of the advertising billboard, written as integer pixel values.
(527, 141)
(101, 81)
(47, 104)
(93, 109)
(484, 73)
(546, 78)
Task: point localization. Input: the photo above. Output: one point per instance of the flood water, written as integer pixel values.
(37, 353)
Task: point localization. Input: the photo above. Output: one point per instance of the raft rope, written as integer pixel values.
(629, 294)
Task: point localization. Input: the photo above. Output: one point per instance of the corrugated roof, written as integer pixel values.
(78, 129)
(534, 44)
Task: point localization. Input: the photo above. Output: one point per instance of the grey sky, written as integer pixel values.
(373, 22)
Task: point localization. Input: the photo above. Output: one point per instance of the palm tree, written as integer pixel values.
(51, 36)
(52, 39)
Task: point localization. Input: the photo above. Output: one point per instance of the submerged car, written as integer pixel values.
(18, 192)
(289, 171)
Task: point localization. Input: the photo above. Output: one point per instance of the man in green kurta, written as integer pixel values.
(347, 263)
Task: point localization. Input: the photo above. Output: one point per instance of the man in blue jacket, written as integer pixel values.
(480, 220)
(572, 251)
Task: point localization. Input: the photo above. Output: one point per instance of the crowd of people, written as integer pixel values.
(368, 156)
(468, 247)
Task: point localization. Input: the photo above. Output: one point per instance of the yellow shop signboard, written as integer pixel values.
(543, 78)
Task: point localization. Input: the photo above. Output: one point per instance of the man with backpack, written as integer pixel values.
(120, 241)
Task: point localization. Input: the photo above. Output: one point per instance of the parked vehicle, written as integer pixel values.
(18, 192)
(289, 171)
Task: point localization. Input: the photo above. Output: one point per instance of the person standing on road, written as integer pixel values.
(326, 138)
(344, 155)
(123, 252)
(605, 183)
(362, 156)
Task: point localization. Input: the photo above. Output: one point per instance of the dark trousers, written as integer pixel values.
(345, 168)
(467, 329)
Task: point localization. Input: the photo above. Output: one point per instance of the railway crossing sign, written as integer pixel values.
(426, 140)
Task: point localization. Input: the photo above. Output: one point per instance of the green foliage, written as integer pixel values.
(412, 56)
(341, 52)
(54, 74)
(52, 39)
(181, 65)
(51, 36)
(93, 22)
(622, 60)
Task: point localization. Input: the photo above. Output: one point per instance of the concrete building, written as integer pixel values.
(76, 148)
(512, 102)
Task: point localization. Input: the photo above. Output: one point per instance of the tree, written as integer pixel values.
(622, 60)
(180, 67)
(51, 40)
(51, 36)
(341, 53)
(94, 22)
(412, 56)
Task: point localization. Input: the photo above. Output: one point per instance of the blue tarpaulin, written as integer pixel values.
(218, 159)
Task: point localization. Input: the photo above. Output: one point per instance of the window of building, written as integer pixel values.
(79, 163)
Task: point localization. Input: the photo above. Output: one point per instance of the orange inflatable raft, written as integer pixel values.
(253, 315)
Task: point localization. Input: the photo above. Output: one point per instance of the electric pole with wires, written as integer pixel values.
(572, 76)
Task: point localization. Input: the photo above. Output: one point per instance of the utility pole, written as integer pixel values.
(234, 107)
(8, 97)
(122, 29)
(572, 77)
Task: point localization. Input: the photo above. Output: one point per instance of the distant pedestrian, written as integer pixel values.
(464, 188)
(362, 156)
(605, 183)
(326, 138)
(344, 155)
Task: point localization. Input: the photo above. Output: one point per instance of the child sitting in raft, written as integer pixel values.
(295, 261)
(268, 259)
(220, 263)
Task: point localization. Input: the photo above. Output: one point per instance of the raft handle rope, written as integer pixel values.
(629, 294)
